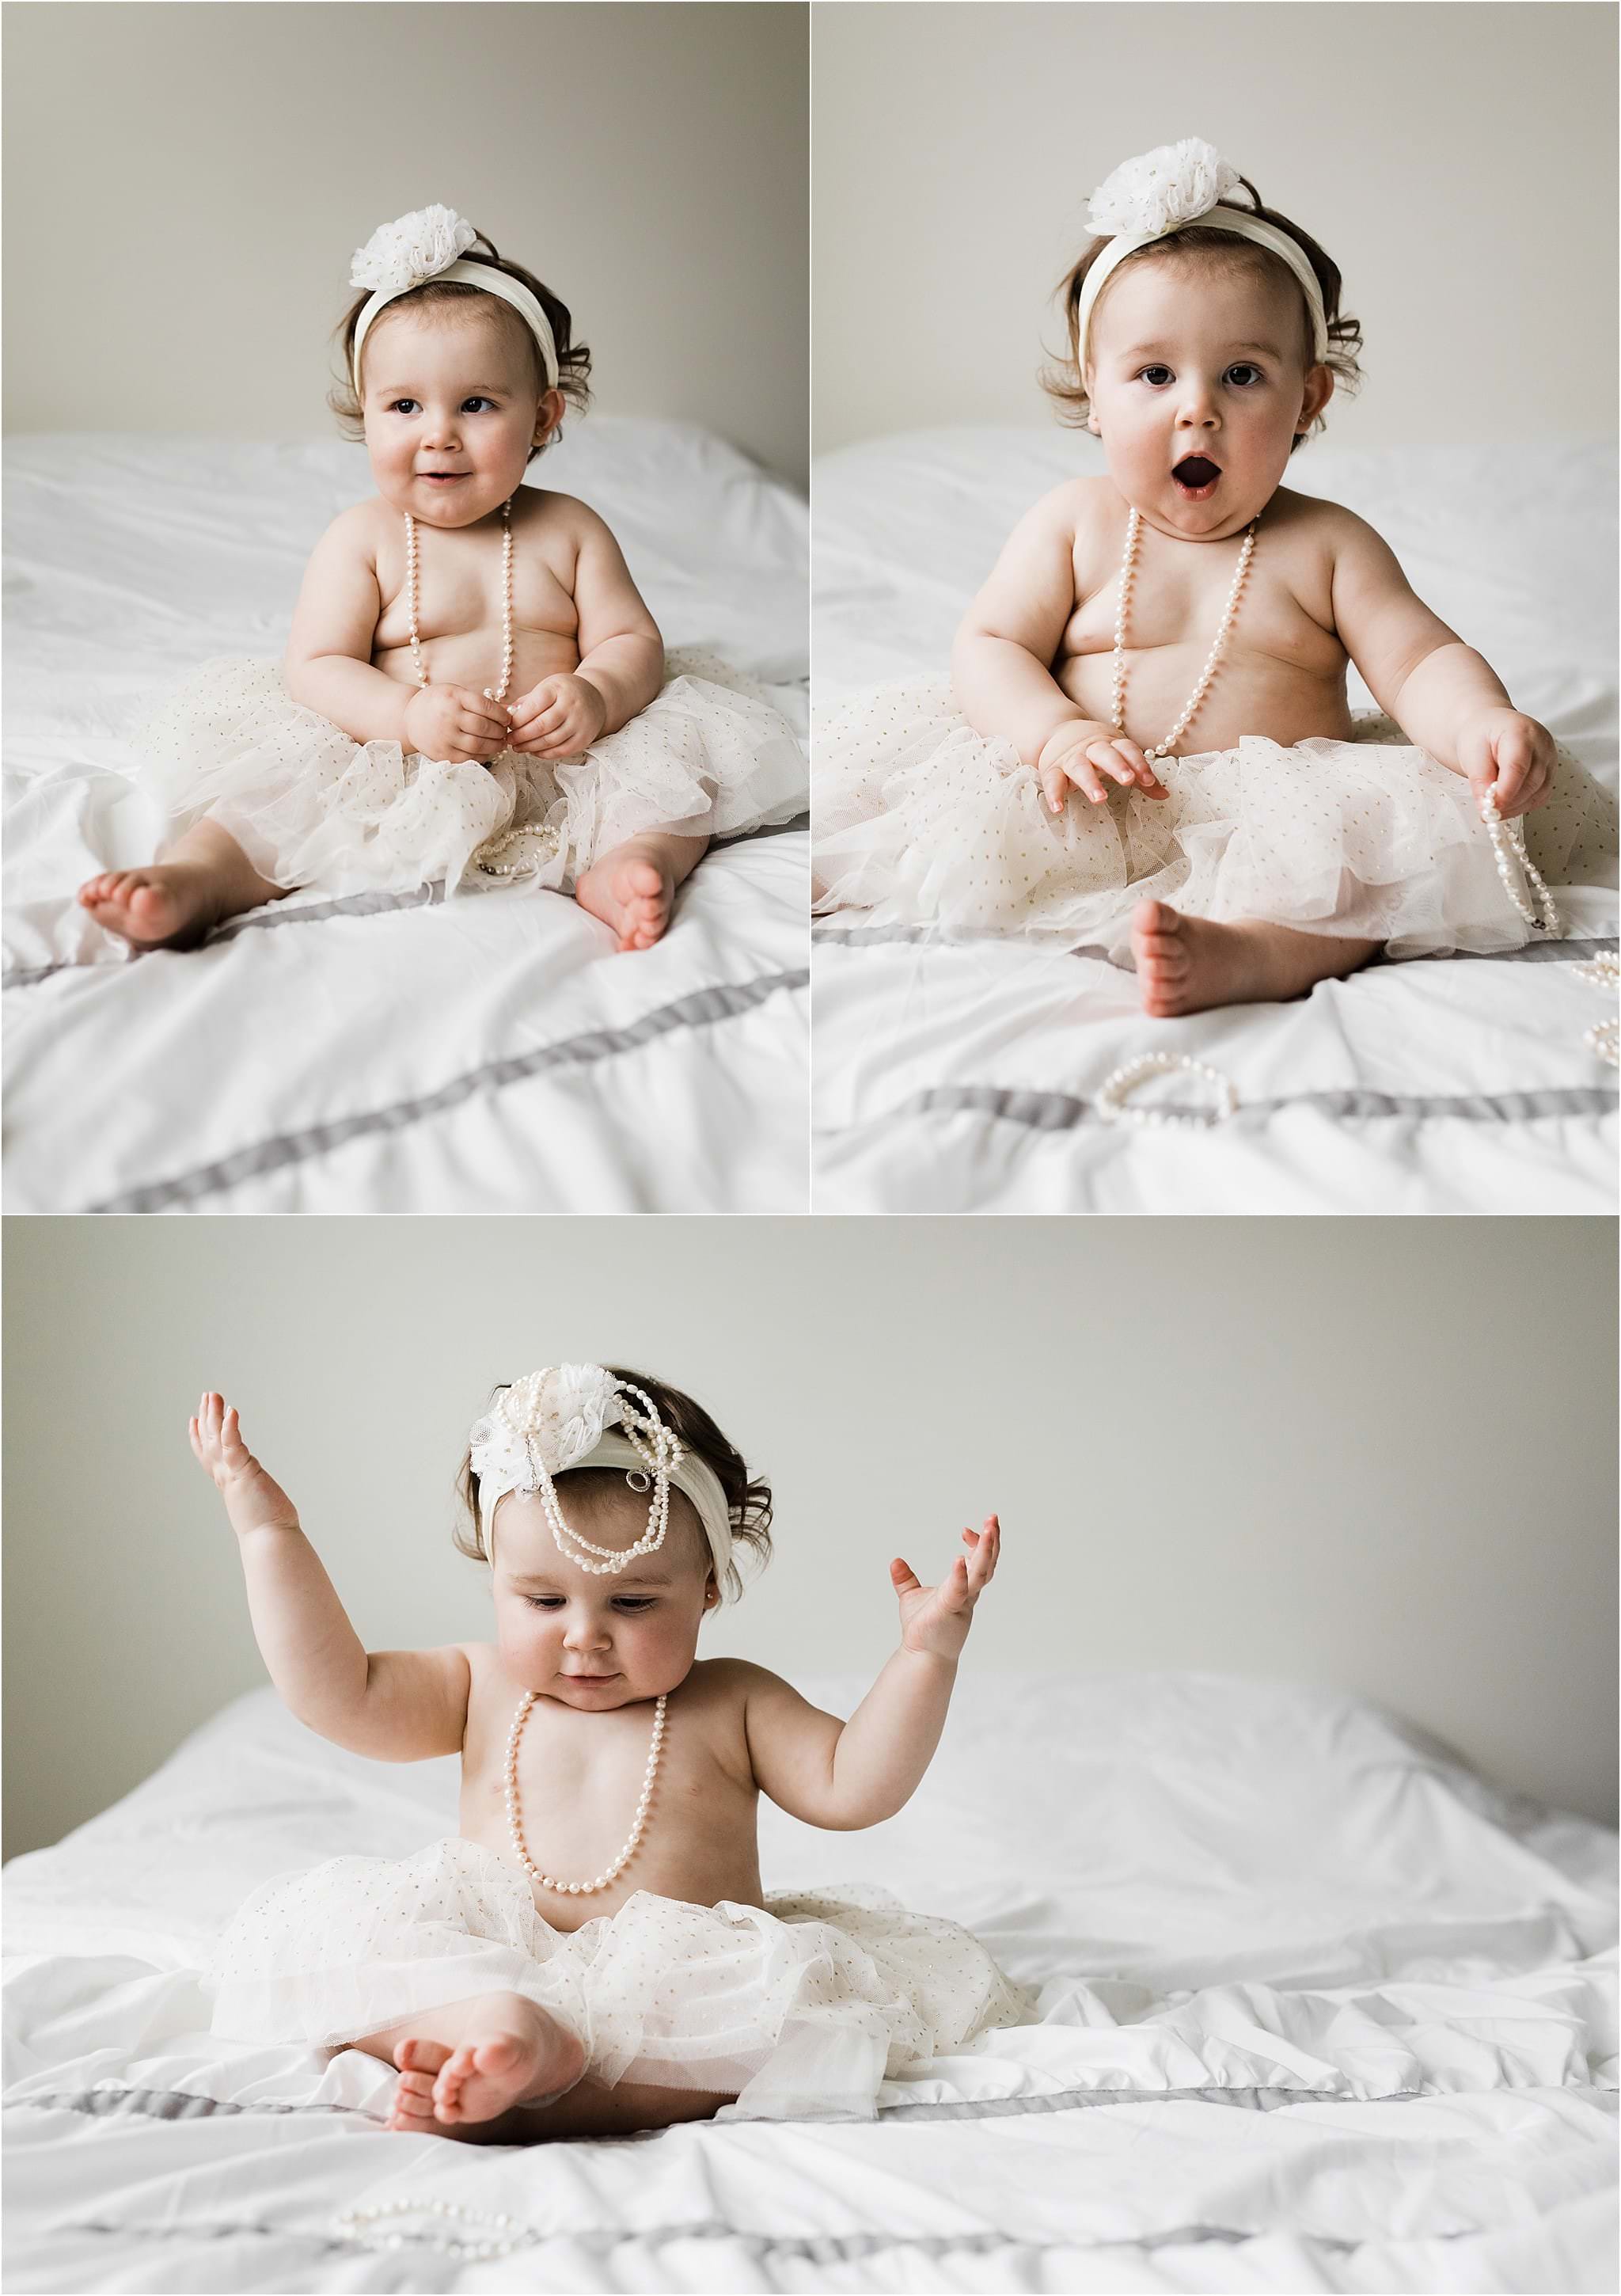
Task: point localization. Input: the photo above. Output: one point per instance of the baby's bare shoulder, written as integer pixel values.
(1309, 523)
(723, 1684)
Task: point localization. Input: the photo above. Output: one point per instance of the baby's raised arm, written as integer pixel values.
(844, 1775)
(328, 665)
(1001, 662)
(397, 1706)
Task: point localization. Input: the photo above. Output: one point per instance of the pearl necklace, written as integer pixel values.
(510, 852)
(1111, 1100)
(1508, 837)
(491, 692)
(509, 2233)
(1603, 1039)
(1129, 567)
(515, 1821)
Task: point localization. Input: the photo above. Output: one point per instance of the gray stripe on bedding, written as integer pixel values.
(825, 2249)
(1536, 951)
(702, 1008)
(182, 2105)
(1058, 1112)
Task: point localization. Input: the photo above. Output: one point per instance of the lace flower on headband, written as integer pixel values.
(412, 248)
(552, 1419)
(1173, 184)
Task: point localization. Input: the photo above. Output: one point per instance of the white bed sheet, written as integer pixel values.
(1319, 2010)
(392, 1053)
(965, 1077)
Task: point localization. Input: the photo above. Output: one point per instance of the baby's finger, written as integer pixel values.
(1108, 758)
(954, 1588)
(903, 1578)
(1054, 786)
(1084, 773)
(191, 1428)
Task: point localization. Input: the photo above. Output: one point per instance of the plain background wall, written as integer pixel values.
(187, 183)
(1458, 161)
(1376, 1454)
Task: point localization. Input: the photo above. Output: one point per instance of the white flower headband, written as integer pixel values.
(1164, 190)
(426, 245)
(580, 1415)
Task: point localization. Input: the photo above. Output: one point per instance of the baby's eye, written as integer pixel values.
(1154, 375)
(543, 1601)
(634, 1602)
(1241, 369)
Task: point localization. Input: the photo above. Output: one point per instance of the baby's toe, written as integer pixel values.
(415, 2055)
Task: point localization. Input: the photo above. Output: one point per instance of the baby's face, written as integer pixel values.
(591, 1642)
(1188, 360)
(449, 396)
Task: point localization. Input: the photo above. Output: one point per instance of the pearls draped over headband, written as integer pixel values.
(571, 1415)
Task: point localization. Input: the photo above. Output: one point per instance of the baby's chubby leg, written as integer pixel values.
(204, 878)
(632, 885)
(467, 2062)
(1190, 964)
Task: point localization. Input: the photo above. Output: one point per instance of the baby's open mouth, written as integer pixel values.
(1196, 476)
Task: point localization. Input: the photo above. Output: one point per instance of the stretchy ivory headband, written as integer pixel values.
(427, 244)
(1164, 190)
(575, 1416)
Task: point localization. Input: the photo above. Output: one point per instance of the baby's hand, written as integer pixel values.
(937, 1619)
(559, 718)
(252, 1500)
(1079, 755)
(455, 722)
(1510, 755)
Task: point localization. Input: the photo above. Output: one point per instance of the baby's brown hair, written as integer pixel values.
(747, 1496)
(1064, 382)
(445, 295)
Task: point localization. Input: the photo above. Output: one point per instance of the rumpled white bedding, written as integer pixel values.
(1320, 2009)
(957, 1079)
(393, 1053)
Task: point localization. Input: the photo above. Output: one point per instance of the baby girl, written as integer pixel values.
(473, 688)
(1145, 743)
(592, 1952)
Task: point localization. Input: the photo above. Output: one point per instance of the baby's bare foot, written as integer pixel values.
(521, 2059)
(1188, 964)
(169, 905)
(631, 889)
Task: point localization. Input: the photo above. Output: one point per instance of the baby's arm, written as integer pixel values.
(621, 665)
(842, 1774)
(398, 1706)
(1443, 695)
(328, 666)
(999, 663)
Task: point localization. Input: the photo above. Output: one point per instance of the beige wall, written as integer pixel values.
(185, 185)
(1428, 147)
(1379, 1454)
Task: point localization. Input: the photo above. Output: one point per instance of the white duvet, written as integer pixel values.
(966, 1078)
(389, 1053)
(1319, 2009)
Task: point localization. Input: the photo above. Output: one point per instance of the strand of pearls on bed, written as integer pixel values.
(502, 2235)
(1129, 567)
(1603, 1039)
(1111, 1102)
(514, 1819)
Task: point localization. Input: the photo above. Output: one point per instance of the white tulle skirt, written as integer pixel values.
(709, 756)
(808, 2003)
(1369, 838)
